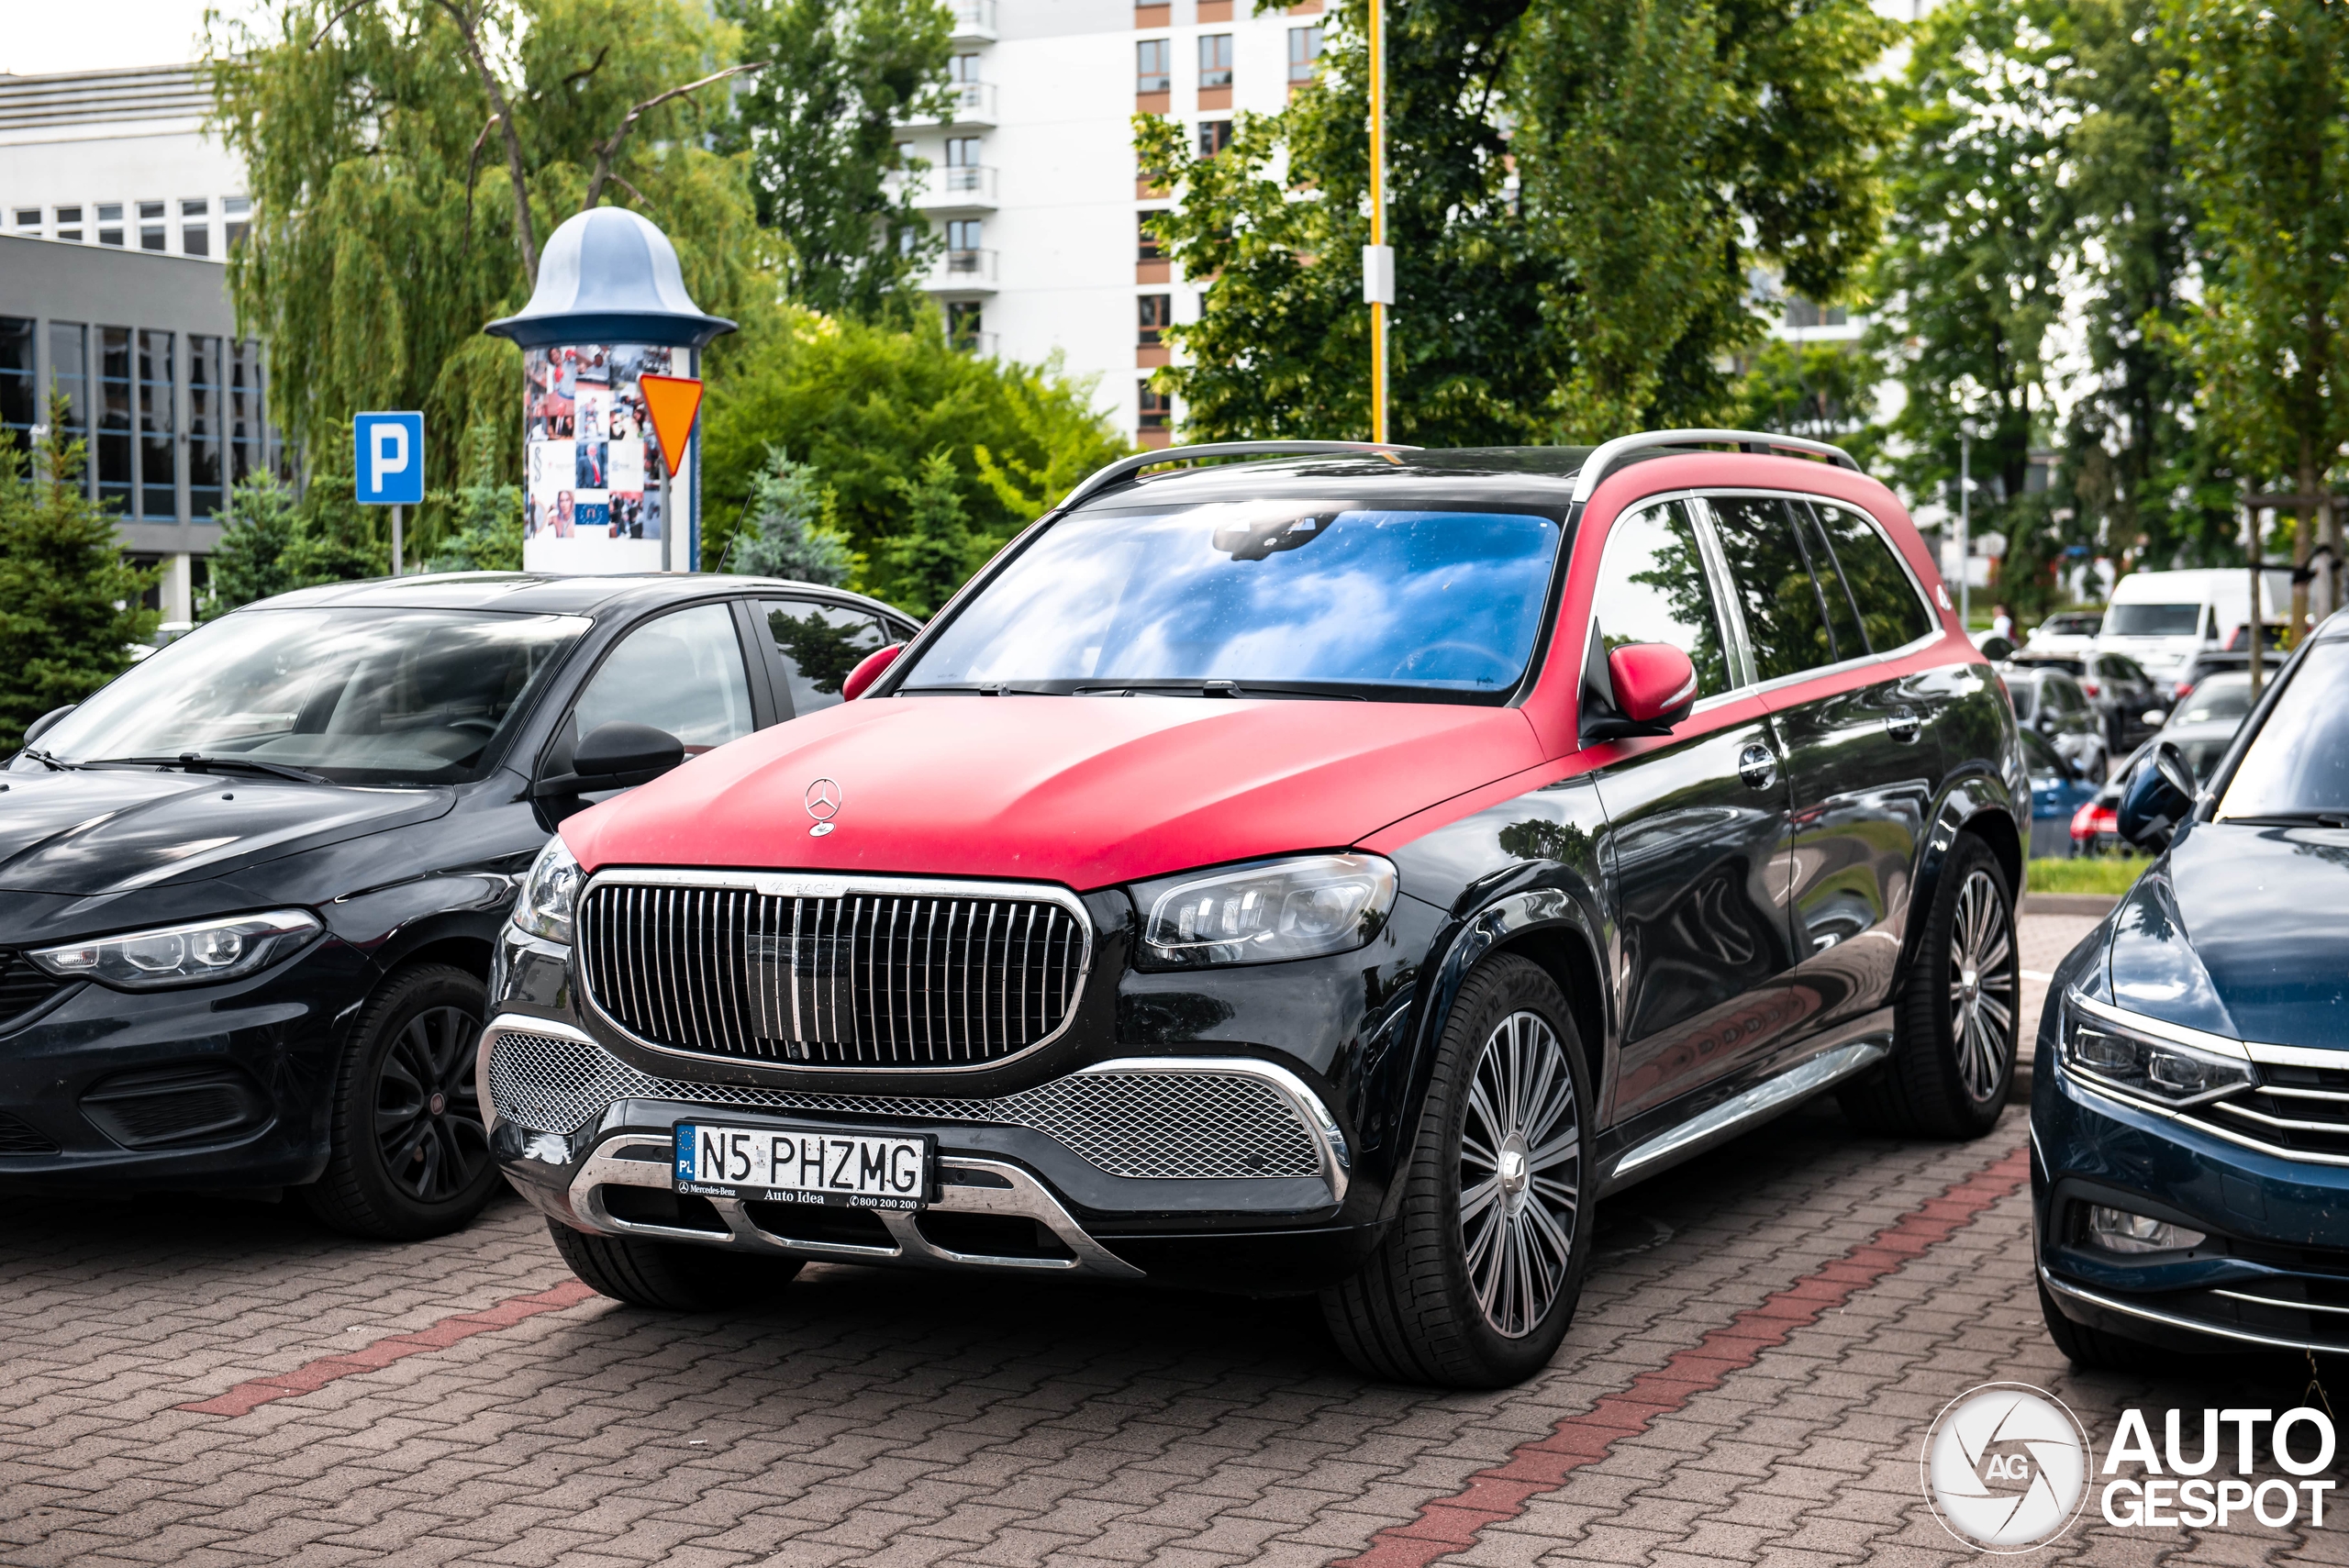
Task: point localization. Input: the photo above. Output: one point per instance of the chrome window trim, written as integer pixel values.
(1337, 1157)
(817, 884)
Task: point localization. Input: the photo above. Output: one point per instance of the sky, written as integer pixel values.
(42, 36)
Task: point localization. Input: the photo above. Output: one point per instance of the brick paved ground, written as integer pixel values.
(876, 1417)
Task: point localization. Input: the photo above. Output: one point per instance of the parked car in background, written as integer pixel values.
(2066, 631)
(2190, 1119)
(249, 890)
(2130, 704)
(2216, 660)
(2050, 703)
(2058, 791)
(2201, 727)
(2160, 619)
(1331, 872)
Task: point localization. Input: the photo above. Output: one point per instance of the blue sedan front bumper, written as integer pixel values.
(2273, 1272)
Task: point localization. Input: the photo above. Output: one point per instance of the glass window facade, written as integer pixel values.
(117, 451)
(68, 380)
(19, 394)
(159, 478)
(206, 391)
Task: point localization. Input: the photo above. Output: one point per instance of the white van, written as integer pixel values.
(2163, 618)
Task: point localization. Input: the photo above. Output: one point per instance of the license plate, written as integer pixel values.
(803, 1164)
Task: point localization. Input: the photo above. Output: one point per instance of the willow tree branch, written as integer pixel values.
(472, 170)
(608, 150)
(525, 238)
(327, 26)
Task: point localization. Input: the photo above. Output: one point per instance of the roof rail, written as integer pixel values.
(1102, 479)
(1613, 454)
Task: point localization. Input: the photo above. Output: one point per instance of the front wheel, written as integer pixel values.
(409, 1152)
(1477, 1277)
(1954, 1043)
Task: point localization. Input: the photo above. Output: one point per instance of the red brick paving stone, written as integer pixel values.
(1447, 1525)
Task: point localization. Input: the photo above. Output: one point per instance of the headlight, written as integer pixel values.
(182, 955)
(548, 893)
(2145, 1063)
(1305, 907)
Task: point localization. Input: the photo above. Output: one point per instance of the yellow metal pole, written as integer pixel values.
(1378, 214)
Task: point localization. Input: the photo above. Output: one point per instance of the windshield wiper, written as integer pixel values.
(195, 763)
(49, 762)
(1217, 689)
(2294, 819)
(981, 688)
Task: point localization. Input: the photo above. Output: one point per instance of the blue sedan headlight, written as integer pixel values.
(2146, 1058)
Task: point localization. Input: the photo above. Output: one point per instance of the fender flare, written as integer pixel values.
(1967, 801)
(1568, 911)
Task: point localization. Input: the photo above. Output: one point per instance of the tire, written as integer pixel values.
(408, 1155)
(1477, 1295)
(670, 1276)
(1953, 1041)
(2094, 1350)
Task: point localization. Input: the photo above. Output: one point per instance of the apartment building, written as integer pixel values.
(1034, 185)
(117, 213)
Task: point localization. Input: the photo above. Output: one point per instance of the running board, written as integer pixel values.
(1732, 1117)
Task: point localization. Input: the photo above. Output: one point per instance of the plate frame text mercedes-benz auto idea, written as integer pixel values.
(1322, 868)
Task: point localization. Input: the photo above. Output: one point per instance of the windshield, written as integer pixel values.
(1365, 602)
(379, 696)
(2220, 698)
(2299, 762)
(2152, 620)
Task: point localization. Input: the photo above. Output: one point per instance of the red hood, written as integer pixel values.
(1086, 792)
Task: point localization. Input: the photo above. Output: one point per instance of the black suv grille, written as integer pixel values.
(24, 985)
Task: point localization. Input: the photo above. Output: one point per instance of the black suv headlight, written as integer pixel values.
(1308, 906)
(194, 954)
(2101, 1045)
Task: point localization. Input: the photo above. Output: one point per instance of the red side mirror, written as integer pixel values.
(1653, 681)
(868, 669)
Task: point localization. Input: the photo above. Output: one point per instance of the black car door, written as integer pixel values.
(1697, 835)
(817, 642)
(1822, 594)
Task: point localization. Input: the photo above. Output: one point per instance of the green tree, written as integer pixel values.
(2261, 99)
(1578, 196)
(789, 528)
(1823, 391)
(936, 551)
(69, 605)
(257, 527)
(820, 127)
(868, 407)
(406, 159)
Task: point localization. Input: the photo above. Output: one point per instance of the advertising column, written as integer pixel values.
(610, 308)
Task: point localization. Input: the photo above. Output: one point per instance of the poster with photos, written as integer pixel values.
(593, 501)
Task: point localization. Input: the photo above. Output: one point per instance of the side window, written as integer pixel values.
(1834, 591)
(683, 674)
(1653, 589)
(1785, 624)
(820, 644)
(1889, 608)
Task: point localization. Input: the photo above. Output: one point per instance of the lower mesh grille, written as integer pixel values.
(16, 1138)
(1153, 1125)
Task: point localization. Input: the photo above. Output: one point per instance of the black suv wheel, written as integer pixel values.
(410, 1155)
(1953, 1044)
(1478, 1278)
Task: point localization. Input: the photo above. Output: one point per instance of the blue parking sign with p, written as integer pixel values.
(391, 459)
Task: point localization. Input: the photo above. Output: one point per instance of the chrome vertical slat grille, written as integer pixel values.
(836, 975)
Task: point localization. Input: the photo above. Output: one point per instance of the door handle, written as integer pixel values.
(1903, 726)
(1757, 766)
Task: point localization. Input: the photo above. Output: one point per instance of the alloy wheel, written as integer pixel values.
(1521, 1174)
(1982, 979)
(428, 1116)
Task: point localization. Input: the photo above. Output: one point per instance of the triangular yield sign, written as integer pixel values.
(672, 401)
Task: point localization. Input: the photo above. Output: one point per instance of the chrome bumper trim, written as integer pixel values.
(1006, 1190)
(2190, 1325)
(1337, 1157)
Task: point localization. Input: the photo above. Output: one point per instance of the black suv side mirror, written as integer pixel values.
(613, 756)
(2159, 797)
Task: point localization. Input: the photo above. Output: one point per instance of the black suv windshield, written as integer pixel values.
(1275, 594)
(373, 697)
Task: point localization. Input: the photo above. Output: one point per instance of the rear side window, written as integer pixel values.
(820, 644)
(683, 674)
(1890, 612)
(1653, 589)
(1785, 622)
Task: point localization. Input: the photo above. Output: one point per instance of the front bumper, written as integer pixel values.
(1222, 1171)
(2274, 1272)
(207, 1087)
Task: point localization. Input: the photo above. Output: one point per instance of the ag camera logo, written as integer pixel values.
(2006, 1467)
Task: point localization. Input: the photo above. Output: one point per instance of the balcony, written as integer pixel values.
(965, 187)
(974, 20)
(962, 271)
(979, 345)
(973, 105)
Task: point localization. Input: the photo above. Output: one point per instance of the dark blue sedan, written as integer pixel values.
(2190, 1121)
